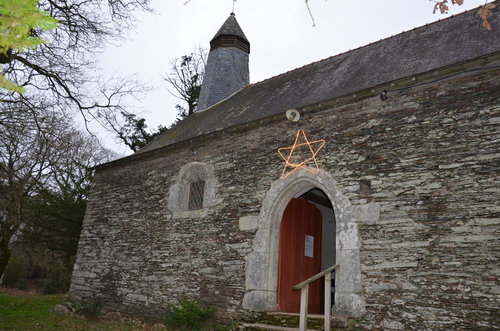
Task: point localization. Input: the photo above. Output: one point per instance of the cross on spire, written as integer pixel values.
(234, 1)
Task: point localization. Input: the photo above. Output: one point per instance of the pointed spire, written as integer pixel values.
(227, 65)
(230, 35)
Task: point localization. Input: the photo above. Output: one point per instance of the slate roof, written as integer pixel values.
(230, 27)
(450, 41)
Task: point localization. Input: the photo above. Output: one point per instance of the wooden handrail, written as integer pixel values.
(304, 297)
(315, 277)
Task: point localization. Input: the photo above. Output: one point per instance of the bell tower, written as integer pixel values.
(227, 65)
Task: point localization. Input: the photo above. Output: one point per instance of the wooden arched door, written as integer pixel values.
(299, 255)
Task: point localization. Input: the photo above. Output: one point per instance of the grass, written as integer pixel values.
(32, 312)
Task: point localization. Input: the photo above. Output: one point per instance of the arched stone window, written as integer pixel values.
(193, 192)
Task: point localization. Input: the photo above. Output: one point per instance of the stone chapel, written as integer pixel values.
(383, 160)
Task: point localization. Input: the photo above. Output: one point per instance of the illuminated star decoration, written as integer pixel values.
(302, 153)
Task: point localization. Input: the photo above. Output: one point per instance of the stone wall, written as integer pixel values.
(427, 160)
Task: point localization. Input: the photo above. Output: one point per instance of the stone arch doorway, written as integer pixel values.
(261, 274)
(306, 247)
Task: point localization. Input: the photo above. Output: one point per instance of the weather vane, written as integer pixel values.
(234, 1)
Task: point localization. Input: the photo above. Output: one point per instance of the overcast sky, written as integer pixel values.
(281, 34)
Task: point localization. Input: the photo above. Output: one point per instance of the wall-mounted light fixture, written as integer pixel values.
(383, 95)
(293, 115)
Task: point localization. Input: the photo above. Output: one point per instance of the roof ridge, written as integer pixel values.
(366, 45)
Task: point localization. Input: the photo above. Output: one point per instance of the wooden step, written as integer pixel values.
(283, 321)
(268, 327)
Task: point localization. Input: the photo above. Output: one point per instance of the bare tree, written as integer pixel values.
(61, 73)
(24, 160)
(53, 214)
(186, 77)
(32, 150)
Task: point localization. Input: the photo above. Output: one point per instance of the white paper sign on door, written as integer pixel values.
(309, 251)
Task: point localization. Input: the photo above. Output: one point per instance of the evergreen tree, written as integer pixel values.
(19, 22)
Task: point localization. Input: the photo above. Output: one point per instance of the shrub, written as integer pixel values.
(188, 316)
(58, 282)
(15, 271)
(90, 308)
(22, 284)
